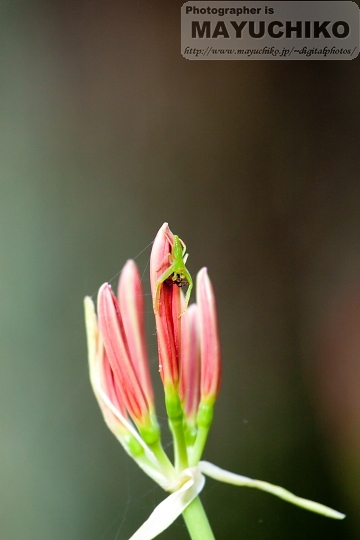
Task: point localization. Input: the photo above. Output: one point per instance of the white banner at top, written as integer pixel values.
(270, 30)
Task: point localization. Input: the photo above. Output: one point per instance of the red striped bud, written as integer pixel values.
(168, 310)
(117, 350)
(131, 302)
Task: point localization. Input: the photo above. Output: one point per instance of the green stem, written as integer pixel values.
(181, 458)
(197, 522)
(199, 446)
(162, 458)
(176, 422)
(204, 420)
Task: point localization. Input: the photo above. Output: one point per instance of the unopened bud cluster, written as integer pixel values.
(189, 358)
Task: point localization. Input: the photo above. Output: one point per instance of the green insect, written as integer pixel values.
(176, 274)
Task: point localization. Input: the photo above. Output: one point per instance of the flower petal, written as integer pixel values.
(91, 329)
(231, 478)
(171, 508)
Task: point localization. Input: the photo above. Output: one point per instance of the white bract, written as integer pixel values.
(173, 506)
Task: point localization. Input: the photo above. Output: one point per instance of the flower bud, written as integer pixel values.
(209, 339)
(167, 310)
(190, 362)
(131, 302)
(117, 350)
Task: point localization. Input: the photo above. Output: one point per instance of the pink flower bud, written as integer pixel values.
(131, 303)
(209, 339)
(106, 390)
(189, 389)
(110, 386)
(167, 311)
(118, 352)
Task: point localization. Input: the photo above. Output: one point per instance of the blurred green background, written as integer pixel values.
(107, 132)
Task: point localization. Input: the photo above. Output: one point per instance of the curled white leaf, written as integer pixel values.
(171, 508)
(231, 478)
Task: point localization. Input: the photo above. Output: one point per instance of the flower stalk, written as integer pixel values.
(196, 521)
(190, 369)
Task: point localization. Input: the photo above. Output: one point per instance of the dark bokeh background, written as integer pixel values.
(107, 132)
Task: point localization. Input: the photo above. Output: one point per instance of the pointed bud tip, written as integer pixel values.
(103, 287)
(202, 272)
(129, 272)
(88, 301)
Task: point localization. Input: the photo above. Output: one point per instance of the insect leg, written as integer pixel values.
(188, 292)
(165, 275)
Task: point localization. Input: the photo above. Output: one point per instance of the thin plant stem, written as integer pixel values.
(162, 458)
(176, 423)
(199, 445)
(197, 522)
(181, 458)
